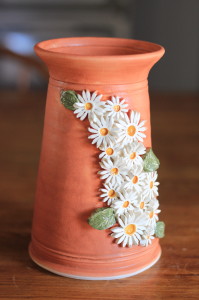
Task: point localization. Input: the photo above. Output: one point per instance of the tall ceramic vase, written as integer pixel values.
(68, 184)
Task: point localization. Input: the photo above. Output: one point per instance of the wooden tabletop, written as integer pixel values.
(175, 141)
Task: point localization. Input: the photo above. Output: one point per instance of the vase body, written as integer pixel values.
(68, 185)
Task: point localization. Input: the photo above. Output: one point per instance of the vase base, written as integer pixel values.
(46, 267)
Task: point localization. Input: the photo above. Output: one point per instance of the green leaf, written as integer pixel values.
(160, 229)
(68, 98)
(151, 162)
(102, 218)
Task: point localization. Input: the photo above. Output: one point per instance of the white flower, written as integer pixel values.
(131, 228)
(150, 185)
(135, 179)
(88, 105)
(110, 193)
(130, 129)
(147, 236)
(114, 171)
(142, 204)
(124, 203)
(116, 108)
(109, 151)
(132, 153)
(153, 212)
(101, 132)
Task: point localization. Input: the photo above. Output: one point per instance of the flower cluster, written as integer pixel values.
(127, 188)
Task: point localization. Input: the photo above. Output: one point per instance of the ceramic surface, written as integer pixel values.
(68, 184)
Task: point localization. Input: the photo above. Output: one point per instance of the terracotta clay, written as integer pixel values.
(68, 183)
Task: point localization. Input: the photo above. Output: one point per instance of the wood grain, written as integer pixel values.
(175, 141)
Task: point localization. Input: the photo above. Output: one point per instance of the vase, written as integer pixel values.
(68, 182)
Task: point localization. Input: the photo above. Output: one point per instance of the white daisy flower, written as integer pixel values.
(130, 129)
(142, 204)
(114, 171)
(109, 151)
(88, 105)
(130, 230)
(153, 211)
(135, 179)
(150, 185)
(116, 108)
(124, 203)
(133, 152)
(147, 236)
(110, 192)
(101, 132)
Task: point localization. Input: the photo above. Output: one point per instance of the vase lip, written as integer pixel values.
(97, 48)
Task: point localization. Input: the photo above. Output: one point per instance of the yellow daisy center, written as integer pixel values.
(141, 205)
(103, 131)
(131, 130)
(88, 106)
(151, 214)
(111, 194)
(126, 204)
(151, 184)
(109, 151)
(135, 179)
(114, 171)
(130, 229)
(133, 155)
(116, 108)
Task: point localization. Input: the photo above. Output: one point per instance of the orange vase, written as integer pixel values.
(68, 184)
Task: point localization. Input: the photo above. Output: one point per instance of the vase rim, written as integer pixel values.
(88, 48)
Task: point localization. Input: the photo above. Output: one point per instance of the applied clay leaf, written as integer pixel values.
(160, 229)
(102, 218)
(68, 98)
(151, 162)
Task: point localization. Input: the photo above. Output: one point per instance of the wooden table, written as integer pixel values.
(175, 141)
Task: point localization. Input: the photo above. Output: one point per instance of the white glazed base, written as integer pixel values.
(95, 278)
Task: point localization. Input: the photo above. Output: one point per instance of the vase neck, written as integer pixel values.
(131, 87)
(99, 60)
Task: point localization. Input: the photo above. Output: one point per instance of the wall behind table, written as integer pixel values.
(175, 25)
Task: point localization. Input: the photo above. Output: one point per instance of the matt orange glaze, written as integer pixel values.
(68, 184)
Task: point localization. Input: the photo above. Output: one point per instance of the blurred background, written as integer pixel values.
(173, 24)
